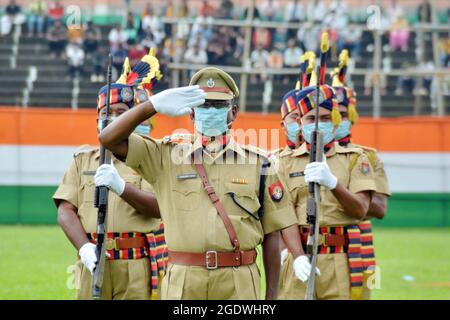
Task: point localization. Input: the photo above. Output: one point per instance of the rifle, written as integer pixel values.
(101, 203)
(316, 155)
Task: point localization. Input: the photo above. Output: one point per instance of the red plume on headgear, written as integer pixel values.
(146, 73)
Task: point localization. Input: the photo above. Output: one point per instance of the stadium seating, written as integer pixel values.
(52, 88)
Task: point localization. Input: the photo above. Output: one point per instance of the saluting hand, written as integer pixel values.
(178, 101)
(108, 176)
(320, 173)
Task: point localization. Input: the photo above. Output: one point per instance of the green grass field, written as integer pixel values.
(35, 263)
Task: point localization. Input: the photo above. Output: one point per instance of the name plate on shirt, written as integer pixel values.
(296, 174)
(187, 176)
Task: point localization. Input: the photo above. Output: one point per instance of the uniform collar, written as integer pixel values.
(286, 151)
(345, 141)
(303, 149)
(231, 145)
(340, 149)
(97, 155)
(300, 150)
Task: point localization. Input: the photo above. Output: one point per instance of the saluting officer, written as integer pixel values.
(218, 199)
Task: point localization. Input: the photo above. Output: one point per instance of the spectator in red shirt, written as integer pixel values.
(55, 13)
(206, 10)
(136, 53)
(263, 37)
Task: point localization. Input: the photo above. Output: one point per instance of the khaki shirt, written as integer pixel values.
(192, 223)
(381, 181)
(78, 188)
(291, 168)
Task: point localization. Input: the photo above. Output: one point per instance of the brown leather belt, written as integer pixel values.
(332, 240)
(125, 243)
(213, 259)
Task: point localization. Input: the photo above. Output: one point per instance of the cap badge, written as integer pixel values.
(142, 95)
(210, 83)
(127, 94)
(340, 96)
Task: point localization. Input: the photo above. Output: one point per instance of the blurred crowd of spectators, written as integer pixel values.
(204, 43)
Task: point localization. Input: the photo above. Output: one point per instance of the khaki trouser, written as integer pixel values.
(333, 283)
(122, 280)
(198, 283)
(367, 275)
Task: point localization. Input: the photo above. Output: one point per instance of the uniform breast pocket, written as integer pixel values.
(133, 179)
(88, 190)
(186, 194)
(240, 199)
(299, 194)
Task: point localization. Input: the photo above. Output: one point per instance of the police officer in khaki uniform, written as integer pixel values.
(346, 98)
(218, 198)
(345, 195)
(135, 242)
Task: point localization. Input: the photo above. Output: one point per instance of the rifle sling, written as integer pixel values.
(219, 207)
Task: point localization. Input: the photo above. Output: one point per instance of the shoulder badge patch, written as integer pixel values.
(276, 191)
(365, 168)
(179, 138)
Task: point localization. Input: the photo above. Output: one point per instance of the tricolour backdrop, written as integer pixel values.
(37, 145)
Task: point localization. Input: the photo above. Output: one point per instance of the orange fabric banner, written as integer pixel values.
(48, 126)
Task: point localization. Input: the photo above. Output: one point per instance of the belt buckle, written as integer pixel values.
(207, 255)
(323, 239)
(110, 244)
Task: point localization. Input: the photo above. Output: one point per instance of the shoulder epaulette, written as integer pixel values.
(179, 138)
(340, 149)
(254, 149)
(365, 148)
(274, 152)
(85, 148)
(285, 152)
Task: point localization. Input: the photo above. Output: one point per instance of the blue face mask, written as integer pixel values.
(293, 130)
(343, 130)
(325, 127)
(211, 122)
(142, 130)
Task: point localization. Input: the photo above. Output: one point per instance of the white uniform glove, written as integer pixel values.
(302, 268)
(178, 101)
(284, 253)
(88, 256)
(319, 172)
(108, 176)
